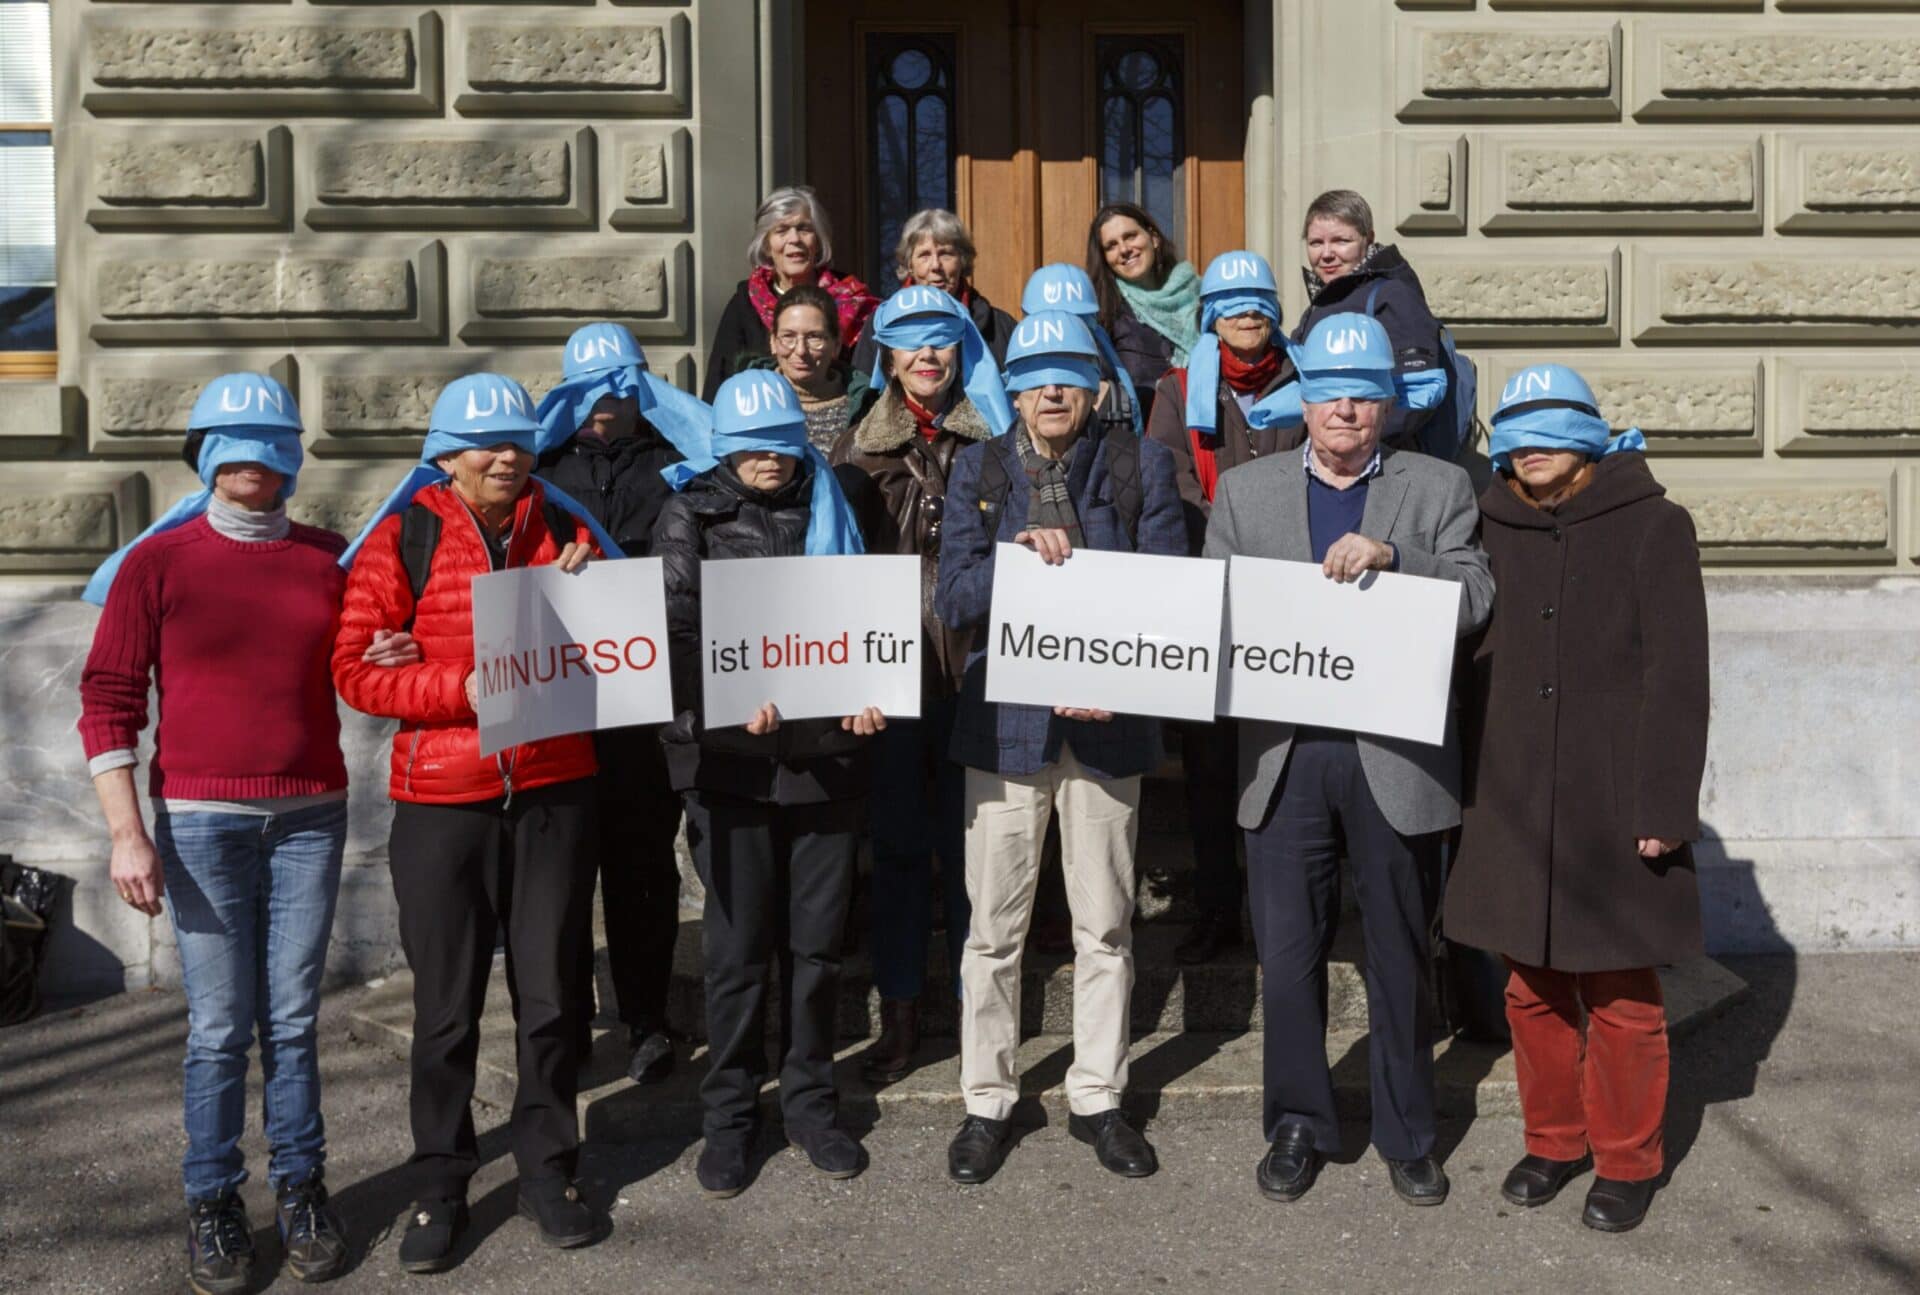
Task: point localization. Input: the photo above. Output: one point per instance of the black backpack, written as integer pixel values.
(1122, 453)
(27, 897)
(420, 536)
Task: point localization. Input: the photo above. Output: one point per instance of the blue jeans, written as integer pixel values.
(919, 800)
(251, 897)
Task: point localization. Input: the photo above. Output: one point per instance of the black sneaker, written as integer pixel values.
(432, 1229)
(556, 1207)
(310, 1231)
(652, 1058)
(219, 1246)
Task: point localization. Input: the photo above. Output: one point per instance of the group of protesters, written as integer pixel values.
(1137, 405)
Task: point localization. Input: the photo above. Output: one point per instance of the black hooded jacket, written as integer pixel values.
(1400, 304)
(618, 481)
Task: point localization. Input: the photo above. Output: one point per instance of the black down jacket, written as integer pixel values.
(801, 762)
(618, 481)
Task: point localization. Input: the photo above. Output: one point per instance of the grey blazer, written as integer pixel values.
(1426, 509)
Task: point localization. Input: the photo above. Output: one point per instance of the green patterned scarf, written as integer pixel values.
(1171, 310)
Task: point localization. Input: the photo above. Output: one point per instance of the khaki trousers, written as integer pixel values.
(1006, 820)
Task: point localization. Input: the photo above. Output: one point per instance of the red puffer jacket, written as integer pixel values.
(436, 753)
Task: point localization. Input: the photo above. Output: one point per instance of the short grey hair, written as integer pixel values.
(1343, 205)
(936, 225)
(782, 205)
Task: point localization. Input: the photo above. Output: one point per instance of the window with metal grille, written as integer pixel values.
(1143, 125)
(26, 190)
(910, 80)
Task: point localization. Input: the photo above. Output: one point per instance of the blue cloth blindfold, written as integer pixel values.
(271, 447)
(428, 473)
(831, 528)
(1052, 370)
(1557, 427)
(979, 378)
(1203, 365)
(684, 420)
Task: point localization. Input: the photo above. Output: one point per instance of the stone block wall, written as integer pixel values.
(1709, 206)
(365, 200)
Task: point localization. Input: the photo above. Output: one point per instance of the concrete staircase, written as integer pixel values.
(1196, 1030)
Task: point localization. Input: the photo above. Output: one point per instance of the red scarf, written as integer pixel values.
(922, 416)
(1242, 377)
(851, 299)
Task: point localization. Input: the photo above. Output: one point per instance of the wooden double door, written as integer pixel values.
(1023, 116)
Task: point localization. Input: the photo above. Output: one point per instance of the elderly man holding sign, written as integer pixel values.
(1060, 480)
(1308, 792)
(773, 807)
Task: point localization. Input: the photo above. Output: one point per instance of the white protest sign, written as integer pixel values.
(1124, 632)
(1375, 656)
(558, 653)
(816, 636)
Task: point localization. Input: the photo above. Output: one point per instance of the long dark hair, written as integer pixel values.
(1105, 287)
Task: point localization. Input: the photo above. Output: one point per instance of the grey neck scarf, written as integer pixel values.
(245, 525)
(1049, 498)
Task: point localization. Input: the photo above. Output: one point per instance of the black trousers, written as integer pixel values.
(639, 876)
(462, 874)
(1323, 803)
(778, 881)
(1209, 755)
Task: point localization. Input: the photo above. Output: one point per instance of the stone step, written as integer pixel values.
(1222, 995)
(1174, 1075)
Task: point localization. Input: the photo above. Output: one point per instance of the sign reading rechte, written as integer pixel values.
(1375, 656)
(1123, 632)
(557, 653)
(816, 636)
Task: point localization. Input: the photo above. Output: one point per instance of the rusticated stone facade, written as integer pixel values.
(1711, 207)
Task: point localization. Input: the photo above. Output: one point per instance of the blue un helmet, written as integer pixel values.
(1551, 407)
(1235, 284)
(604, 360)
(237, 418)
(476, 412)
(1060, 286)
(1345, 356)
(758, 412)
(918, 316)
(1052, 347)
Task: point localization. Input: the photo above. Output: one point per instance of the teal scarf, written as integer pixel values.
(1171, 310)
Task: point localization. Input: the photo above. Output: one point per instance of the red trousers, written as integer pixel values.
(1598, 1083)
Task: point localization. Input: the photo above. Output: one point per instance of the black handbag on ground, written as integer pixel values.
(27, 897)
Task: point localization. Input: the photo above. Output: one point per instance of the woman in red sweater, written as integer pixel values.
(223, 598)
(481, 845)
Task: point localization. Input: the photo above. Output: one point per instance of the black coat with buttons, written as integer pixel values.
(1585, 729)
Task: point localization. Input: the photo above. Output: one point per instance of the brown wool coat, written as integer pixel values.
(909, 473)
(1586, 728)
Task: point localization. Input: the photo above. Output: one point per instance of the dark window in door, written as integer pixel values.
(910, 80)
(1142, 125)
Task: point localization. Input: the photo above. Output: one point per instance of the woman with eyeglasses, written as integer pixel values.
(939, 391)
(805, 345)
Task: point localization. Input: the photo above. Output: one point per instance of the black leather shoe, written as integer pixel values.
(565, 1220)
(652, 1057)
(1290, 1165)
(1119, 1146)
(432, 1229)
(832, 1151)
(1209, 936)
(1535, 1180)
(722, 1168)
(1614, 1206)
(978, 1149)
(1419, 1182)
